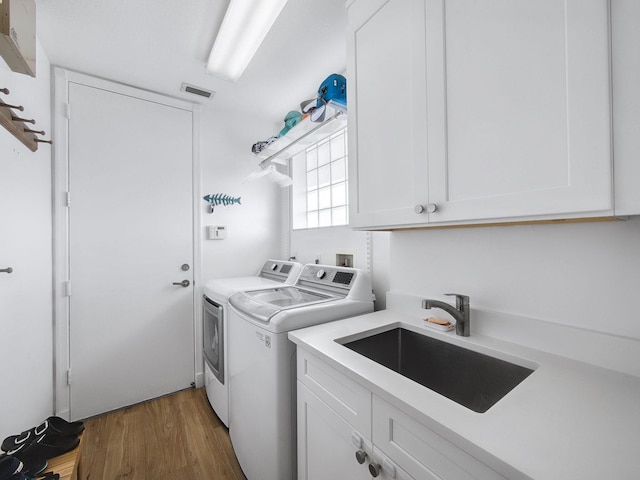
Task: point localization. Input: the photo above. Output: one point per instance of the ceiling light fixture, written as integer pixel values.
(243, 29)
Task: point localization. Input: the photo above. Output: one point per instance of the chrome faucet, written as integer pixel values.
(460, 312)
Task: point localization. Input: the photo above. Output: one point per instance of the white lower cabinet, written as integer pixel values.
(346, 432)
(327, 444)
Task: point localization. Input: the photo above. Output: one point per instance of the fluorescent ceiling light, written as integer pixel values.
(243, 29)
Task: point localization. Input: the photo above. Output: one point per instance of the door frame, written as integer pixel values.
(60, 178)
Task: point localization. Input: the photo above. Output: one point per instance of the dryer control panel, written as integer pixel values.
(284, 271)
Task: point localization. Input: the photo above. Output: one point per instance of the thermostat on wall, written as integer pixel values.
(216, 232)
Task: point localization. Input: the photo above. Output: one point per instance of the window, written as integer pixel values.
(320, 184)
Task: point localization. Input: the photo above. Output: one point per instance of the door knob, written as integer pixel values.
(183, 283)
(6, 270)
(374, 469)
(361, 456)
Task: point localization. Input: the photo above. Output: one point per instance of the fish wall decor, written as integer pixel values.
(217, 199)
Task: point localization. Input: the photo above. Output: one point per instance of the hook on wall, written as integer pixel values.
(17, 125)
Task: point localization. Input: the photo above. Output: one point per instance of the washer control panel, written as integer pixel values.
(320, 275)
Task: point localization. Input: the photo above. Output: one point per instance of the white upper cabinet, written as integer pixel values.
(625, 17)
(387, 111)
(468, 111)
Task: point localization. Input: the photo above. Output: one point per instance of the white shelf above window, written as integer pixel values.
(301, 136)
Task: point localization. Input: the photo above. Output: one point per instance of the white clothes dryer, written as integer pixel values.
(262, 361)
(215, 329)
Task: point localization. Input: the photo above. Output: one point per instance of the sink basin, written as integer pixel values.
(472, 379)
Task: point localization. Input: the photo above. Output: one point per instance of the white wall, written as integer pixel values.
(583, 275)
(253, 227)
(25, 244)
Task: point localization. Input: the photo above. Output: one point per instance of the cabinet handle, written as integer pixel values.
(431, 208)
(361, 456)
(374, 469)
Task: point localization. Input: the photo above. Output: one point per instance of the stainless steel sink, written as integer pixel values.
(472, 379)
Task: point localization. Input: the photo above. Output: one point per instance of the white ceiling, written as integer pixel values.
(158, 44)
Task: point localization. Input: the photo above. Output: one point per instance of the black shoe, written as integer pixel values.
(45, 447)
(11, 468)
(52, 425)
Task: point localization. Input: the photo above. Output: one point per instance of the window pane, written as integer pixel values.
(324, 175)
(324, 219)
(299, 219)
(312, 219)
(324, 197)
(320, 194)
(324, 153)
(338, 171)
(312, 179)
(337, 146)
(312, 200)
(338, 194)
(312, 159)
(339, 216)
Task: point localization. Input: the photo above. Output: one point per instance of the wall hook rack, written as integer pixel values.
(17, 126)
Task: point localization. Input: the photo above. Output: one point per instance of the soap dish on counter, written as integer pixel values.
(438, 324)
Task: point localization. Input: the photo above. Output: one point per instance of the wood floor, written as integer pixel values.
(174, 437)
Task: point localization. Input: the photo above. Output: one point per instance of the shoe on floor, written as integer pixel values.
(45, 447)
(52, 425)
(11, 468)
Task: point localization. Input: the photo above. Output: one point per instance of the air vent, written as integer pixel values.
(197, 90)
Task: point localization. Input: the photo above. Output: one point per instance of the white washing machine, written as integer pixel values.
(262, 361)
(215, 330)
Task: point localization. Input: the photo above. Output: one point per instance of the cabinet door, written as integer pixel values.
(327, 444)
(518, 102)
(625, 18)
(387, 112)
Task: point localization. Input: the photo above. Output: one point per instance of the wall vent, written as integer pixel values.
(185, 87)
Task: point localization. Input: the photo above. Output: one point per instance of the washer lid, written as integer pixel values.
(264, 304)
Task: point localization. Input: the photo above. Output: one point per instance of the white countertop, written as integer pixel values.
(567, 420)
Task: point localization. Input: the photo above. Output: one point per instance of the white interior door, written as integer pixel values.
(131, 329)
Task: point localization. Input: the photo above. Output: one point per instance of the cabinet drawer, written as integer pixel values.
(420, 451)
(348, 398)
